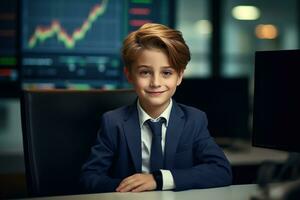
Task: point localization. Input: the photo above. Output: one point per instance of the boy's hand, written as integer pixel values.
(137, 183)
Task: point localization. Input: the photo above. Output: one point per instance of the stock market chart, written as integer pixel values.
(76, 44)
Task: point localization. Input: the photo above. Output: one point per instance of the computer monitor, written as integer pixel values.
(276, 100)
(76, 44)
(224, 100)
(9, 76)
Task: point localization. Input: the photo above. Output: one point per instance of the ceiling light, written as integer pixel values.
(245, 12)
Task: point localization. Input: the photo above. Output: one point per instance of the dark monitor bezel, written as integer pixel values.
(225, 102)
(262, 109)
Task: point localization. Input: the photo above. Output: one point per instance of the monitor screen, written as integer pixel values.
(225, 102)
(76, 44)
(276, 100)
(9, 77)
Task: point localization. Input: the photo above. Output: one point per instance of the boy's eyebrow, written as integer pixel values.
(167, 67)
(149, 66)
(140, 66)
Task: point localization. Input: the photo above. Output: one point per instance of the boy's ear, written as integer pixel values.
(180, 77)
(127, 74)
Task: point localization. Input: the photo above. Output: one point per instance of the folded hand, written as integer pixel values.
(137, 183)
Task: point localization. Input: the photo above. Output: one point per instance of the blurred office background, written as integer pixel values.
(223, 36)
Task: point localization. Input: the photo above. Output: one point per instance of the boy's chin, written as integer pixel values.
(157, 102)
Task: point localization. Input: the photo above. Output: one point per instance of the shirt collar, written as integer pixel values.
(143, 116)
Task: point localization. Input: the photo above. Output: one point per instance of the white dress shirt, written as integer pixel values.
(146, 138)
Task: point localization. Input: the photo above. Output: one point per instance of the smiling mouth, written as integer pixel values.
(155, 93)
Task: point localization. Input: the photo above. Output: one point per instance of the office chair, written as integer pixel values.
(59, 128)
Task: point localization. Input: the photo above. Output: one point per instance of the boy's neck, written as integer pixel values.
(154, 111)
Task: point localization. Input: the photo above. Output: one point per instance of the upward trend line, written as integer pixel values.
(43, 33)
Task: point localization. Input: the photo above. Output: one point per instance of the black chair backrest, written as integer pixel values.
(59, 128)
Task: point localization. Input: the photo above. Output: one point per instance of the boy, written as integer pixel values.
(155, 143)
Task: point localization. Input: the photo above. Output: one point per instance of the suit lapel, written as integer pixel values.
(132, 133)
(174, 131)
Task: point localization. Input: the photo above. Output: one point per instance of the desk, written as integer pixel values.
(245, 163)
(233, 192)
(255, 156)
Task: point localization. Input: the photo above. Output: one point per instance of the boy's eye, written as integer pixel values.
(144, 72)
(167, 73)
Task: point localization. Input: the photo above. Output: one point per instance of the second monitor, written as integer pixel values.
(225, 101)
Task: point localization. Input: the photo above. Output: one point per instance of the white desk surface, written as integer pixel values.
(255, 156)
(233, 192)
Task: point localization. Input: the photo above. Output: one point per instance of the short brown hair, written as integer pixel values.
(160, 37)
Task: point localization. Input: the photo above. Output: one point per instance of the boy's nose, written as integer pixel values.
(155, 81)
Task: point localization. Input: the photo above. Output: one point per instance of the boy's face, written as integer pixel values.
(154, 79)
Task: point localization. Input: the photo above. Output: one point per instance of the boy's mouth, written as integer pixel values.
(155, 93)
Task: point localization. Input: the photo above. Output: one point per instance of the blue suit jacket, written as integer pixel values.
(191, 154)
